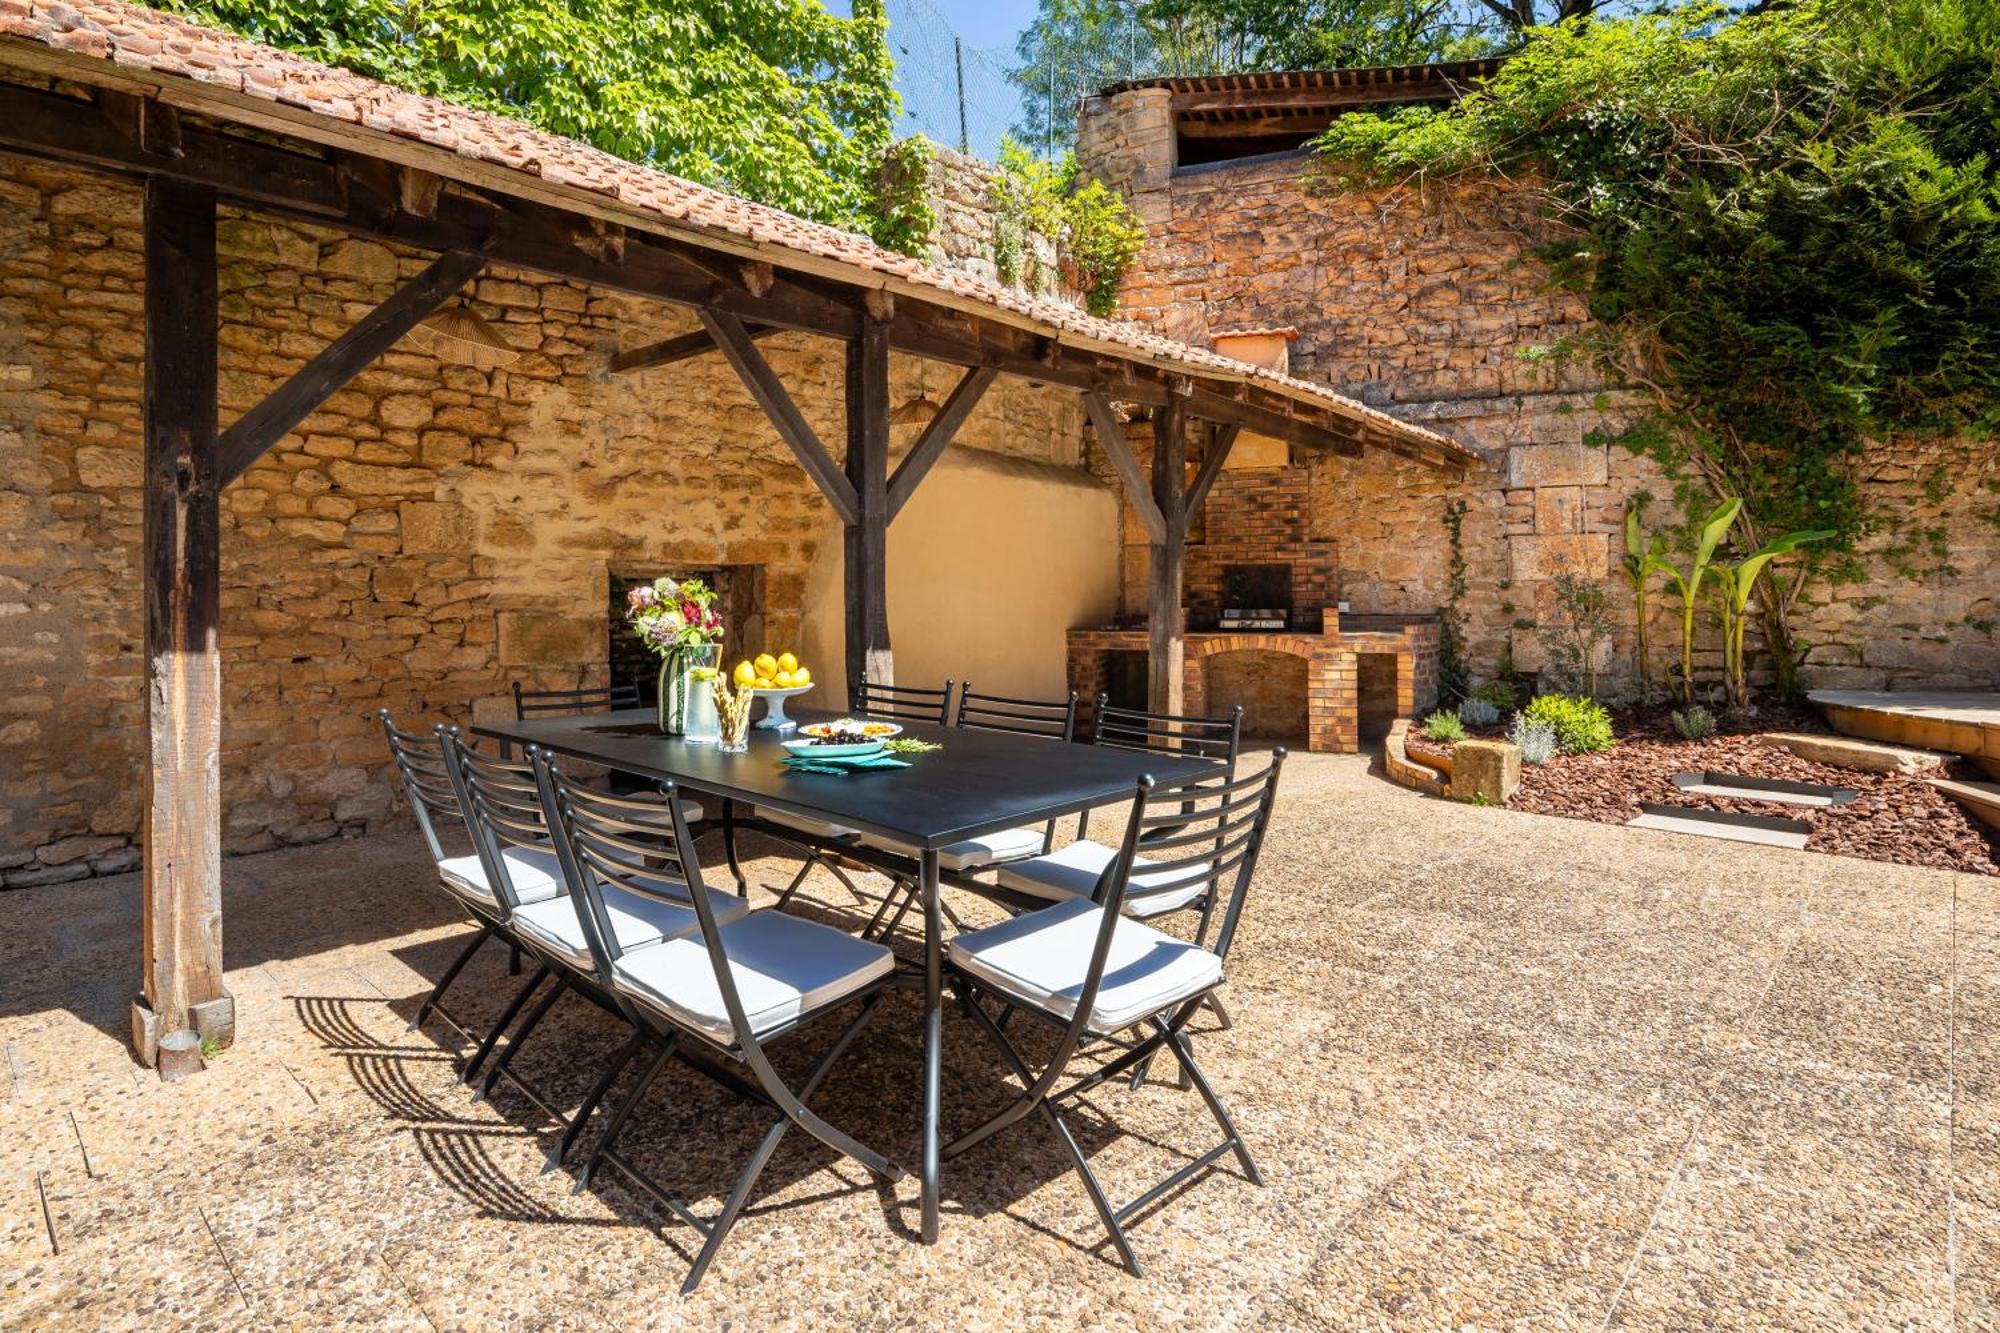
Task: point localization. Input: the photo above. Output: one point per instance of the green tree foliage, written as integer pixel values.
(1787, 225)
(776, 100)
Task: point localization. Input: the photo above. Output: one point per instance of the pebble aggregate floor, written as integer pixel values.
(1499, 1070)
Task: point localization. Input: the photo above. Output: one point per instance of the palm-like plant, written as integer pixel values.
(1735, 585)
(1642, 561)
(1688, 585)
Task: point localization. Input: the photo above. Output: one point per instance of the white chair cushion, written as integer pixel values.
(532, 870)
(804, 825)
(1042, 958)
(784, 968)
(1073, 871)
(1011, 844)
(636, 919)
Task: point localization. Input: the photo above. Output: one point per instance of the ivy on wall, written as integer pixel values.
(1096, 234)
(1787, 228)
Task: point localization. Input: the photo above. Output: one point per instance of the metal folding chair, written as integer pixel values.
(427, 784)
(503, 806)
(899, 703)
(1093, 973)
(715, 998)
(1050, 719)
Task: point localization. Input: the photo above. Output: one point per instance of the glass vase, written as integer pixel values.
(682, 696)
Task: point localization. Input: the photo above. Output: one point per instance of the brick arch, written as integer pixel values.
(1332, 688)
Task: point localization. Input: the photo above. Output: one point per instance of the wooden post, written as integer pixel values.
(867, 536)
(1168, 644)
(183, 879)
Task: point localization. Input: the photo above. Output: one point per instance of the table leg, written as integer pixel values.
(933, 1039)
(729, 847)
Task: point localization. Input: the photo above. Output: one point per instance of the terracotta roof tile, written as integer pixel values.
(140, 39)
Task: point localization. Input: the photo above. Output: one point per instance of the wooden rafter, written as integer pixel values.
(257, 430)
(734, 342)
(1111, 436)
(1211, 466)
(937, 436)
(681, 347)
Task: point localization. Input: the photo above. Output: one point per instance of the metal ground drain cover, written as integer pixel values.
(1767, 830)
(1738, 787)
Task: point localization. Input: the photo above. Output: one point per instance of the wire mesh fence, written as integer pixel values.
(953, 93)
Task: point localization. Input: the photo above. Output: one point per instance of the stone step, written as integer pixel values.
(1981, 798)
(1849, 752)
(1764, 830)
(1963, 722)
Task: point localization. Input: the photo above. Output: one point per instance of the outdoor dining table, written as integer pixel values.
(979, 782)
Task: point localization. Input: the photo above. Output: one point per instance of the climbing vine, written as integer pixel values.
(1787, 228)
(1096, 234)
(1454, 676)
(904, 219)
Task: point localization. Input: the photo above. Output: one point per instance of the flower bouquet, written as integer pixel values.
(677, 619)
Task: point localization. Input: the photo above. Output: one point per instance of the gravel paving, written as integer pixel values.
(1498, 1069)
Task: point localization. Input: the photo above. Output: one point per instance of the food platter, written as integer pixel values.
(810, 748)
(868, 728)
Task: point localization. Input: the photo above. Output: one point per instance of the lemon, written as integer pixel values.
(787, 662)
(787, 679)
(767, 665)
(802, 676)
(745, 674)
(766, 683)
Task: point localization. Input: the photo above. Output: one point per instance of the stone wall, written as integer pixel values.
(1433, 307)
(432, 534)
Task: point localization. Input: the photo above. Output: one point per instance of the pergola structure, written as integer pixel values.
(201, 119)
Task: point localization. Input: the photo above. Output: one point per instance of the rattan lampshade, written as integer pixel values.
(460, 335)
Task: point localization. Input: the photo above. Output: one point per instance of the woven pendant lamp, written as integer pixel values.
(460, 335)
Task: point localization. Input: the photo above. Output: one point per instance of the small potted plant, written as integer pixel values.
(677, 619)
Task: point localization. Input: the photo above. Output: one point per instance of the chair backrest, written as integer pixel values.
(503, 808)
(629, 841)
(1023, 717)
(602, 840)
(529, 703)
(1217, 738)
(1216, 832)
(426, 773)
(1206, 833)
(900, 703)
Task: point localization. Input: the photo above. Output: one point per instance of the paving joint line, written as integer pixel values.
(48, 1217)
(82, 1151)
(223, 1255)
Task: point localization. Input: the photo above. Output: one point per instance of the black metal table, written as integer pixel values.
(980, 782)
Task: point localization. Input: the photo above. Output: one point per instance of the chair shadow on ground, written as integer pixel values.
(694, 1136)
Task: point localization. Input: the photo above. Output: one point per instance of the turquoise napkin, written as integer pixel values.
(843, 766)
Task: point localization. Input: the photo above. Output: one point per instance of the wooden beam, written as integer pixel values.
(256, 431)
(937, 436)
(78, 132)
(367, 196)
(1167, 633)
(683, 347)
(1211, 466)
(734, 341)
(1111, 437)
(181, 571)
(866, 539)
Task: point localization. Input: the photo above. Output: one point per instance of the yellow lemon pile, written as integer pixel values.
(766, 672)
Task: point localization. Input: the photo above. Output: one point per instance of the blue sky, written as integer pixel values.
(982, 23)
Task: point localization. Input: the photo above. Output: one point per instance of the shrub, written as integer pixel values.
(1536, 740)
(1444, 727)
(1478, 712)
(1694, 723)
(1498, 693)
(1581, 725)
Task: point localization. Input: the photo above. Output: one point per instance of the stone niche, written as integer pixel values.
(1269, 686)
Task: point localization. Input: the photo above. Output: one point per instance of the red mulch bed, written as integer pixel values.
(1893, 817)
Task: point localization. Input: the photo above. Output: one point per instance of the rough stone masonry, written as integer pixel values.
(434, 533)
(1433, 307)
